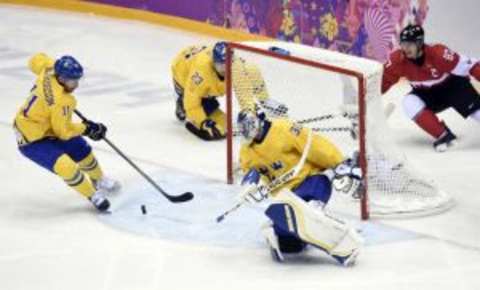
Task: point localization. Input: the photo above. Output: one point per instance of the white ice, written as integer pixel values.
(50, 238)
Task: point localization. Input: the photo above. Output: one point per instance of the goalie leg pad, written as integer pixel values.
(284, 226)
(314, 227)
(316, 187)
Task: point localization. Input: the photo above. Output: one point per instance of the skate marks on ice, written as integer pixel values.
(194, 222)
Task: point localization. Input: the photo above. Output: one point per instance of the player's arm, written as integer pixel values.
(322, 153)
(61, 120)
(195, 90)
(449, 61)
(391, 73)
(198, 123)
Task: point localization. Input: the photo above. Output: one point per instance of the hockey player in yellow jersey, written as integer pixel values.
(198, 75)
(47, 135)
(271, 149)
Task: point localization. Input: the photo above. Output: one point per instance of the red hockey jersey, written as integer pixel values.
(439, 63)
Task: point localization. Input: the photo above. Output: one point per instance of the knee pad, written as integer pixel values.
(412, 105)
(65, 167)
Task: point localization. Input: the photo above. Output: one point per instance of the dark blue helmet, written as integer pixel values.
(68, 67)
(220, 52)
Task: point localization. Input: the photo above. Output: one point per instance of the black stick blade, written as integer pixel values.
(220, 218)
(187, 196)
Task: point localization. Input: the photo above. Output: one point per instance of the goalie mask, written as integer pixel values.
(249, 125)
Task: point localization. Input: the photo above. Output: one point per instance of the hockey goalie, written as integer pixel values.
(301, 166)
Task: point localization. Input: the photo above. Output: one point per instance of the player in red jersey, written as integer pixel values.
(440, 79)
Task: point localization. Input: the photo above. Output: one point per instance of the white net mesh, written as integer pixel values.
(328, 102)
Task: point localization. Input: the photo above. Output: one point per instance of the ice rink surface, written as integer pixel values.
(52, 239)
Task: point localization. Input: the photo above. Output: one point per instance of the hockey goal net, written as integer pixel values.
(339, 96)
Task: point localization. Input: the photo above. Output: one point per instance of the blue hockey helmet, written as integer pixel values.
(68, 68)
(220, 52)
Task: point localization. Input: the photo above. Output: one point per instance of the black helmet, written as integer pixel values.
(413, 33)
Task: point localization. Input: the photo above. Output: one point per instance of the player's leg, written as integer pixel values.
(50, 156)
(179, 108)
(81, 152)
(309, 224)
(424, 115)
(464, 98)
(315, 189)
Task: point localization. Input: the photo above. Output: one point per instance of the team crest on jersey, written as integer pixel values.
(197, 79)
(296, 129)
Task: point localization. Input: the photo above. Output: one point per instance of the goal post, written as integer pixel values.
(309, 81)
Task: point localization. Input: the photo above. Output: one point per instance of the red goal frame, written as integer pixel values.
(231, 46)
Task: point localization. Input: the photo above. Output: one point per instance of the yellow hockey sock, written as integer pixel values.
(90, 166)
(66, 168)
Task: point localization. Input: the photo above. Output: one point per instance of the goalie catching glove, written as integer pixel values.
(347, 177)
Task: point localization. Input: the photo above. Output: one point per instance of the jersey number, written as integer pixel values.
(30, 103)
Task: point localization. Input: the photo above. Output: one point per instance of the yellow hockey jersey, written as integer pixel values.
(48, 110)
(281, 150)
(194, 71)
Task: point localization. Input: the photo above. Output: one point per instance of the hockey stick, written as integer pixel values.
(277, 182)
(173, 198)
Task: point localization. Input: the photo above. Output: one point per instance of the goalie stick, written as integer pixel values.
(187, 196)
(277, 182)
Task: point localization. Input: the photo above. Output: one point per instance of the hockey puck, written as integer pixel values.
(144, 209)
